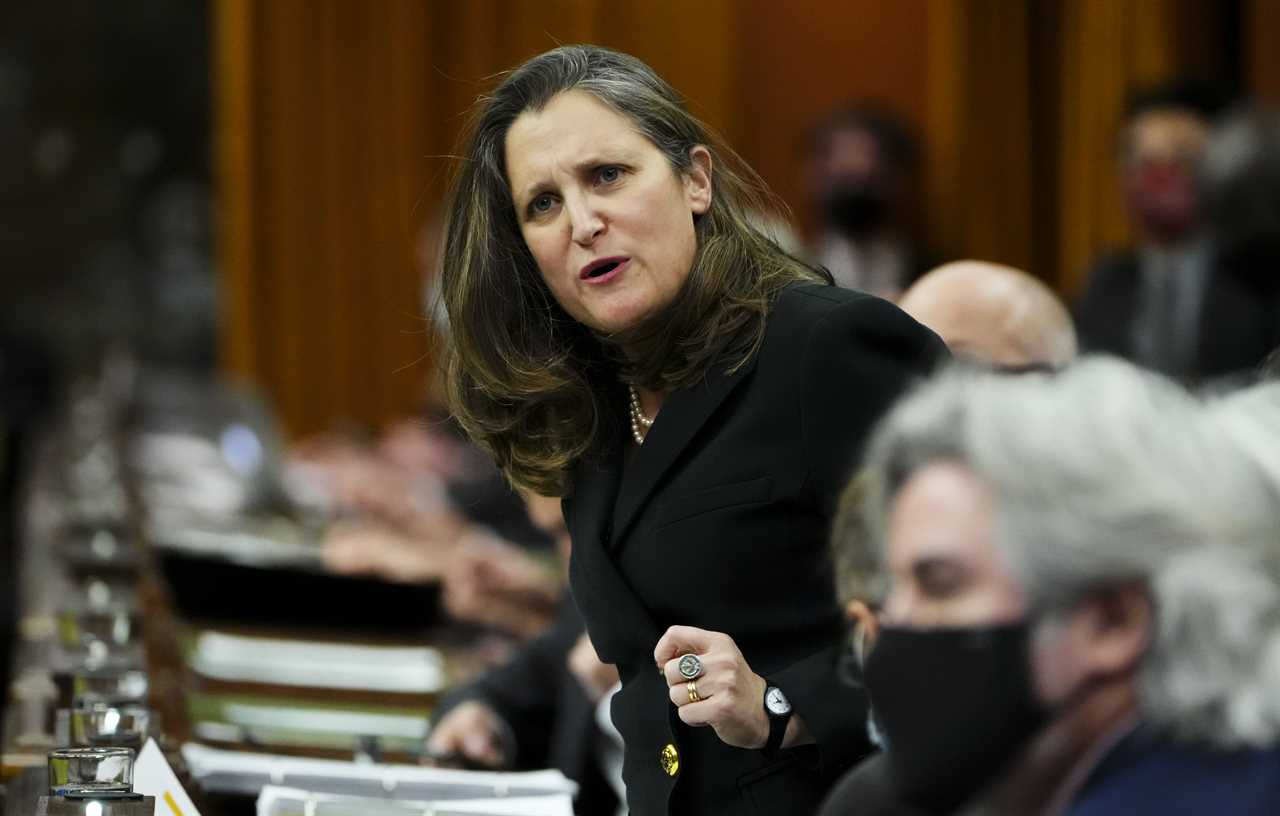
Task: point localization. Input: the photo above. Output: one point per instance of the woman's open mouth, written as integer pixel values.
(603, 270)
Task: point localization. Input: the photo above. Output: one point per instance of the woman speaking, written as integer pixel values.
(624, 336)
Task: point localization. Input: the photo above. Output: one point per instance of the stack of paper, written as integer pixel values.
(402, 670)
(234, 772)
(277, 801)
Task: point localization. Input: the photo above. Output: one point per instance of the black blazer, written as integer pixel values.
(720, 521)
(1239, 321)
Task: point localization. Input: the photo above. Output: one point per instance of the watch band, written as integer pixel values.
(777, 732)
(777, 728)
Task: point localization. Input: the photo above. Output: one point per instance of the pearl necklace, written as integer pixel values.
(640, 423)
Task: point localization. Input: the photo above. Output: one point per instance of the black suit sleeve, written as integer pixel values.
(867, 791)
(858, 360)
(1105, 312)
(525, 691)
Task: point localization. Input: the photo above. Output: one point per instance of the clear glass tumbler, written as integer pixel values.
(102, 771)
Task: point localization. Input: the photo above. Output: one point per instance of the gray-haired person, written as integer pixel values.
(1081, 608)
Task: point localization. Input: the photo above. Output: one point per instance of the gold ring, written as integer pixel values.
(692, 685)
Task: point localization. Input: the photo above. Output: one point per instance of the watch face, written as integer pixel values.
(776, 701)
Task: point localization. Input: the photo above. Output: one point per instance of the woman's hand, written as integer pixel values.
(473, 731)
(731, 694)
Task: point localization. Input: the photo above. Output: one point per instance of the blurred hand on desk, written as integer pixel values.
(471, 732)
(356, 479)
(365, 548)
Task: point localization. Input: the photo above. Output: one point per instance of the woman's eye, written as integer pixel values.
(541, 204)
(608, 175)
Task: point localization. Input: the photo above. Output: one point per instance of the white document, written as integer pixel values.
(245, 773)
(278, 801)
(236, 658)
(152, 776)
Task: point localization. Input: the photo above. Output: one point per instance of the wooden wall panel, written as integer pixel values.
(1105, 51)
(694, 46)
(236, 182)
(801, 60)
(1260, 24)
(322, 157)
(978, 143)
(336, 118)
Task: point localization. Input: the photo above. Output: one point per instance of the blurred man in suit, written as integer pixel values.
(546, 707)
(1171, 303)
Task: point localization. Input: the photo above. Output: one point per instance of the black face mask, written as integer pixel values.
(954, 706)
(856, 209)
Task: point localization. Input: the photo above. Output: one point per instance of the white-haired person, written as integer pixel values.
(1080, 607)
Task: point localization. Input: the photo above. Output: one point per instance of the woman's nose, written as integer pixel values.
(586, 223)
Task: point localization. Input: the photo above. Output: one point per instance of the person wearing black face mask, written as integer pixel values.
(993, 317)
(859, 167)
(1081, 585)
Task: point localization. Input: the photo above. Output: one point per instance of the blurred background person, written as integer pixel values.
(859, 172)
(420, 503)
(989, 315)
(1242, 187)
(1093, 569)
(423, 506)
(993, 315)
(1183, 300)
(547, 707)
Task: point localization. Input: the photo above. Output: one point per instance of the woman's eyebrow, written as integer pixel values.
(583, 165)
(533, 190)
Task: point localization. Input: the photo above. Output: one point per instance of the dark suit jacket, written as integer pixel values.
(867, 790)
(1143, 775)
(1147, 775)
(1239, 320)
(552, 723)
(720, 521)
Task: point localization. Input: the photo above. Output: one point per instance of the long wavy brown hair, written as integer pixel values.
(532, 386)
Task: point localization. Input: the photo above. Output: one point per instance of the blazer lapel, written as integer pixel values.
(589, 510)
(682, 415)
(599, 585)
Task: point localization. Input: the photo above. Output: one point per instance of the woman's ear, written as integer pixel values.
(697, 181)
(865, 626)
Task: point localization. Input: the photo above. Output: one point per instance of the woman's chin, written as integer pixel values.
(614, 321)
(621, 314)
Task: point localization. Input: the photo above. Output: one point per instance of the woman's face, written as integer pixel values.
(607, 220)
